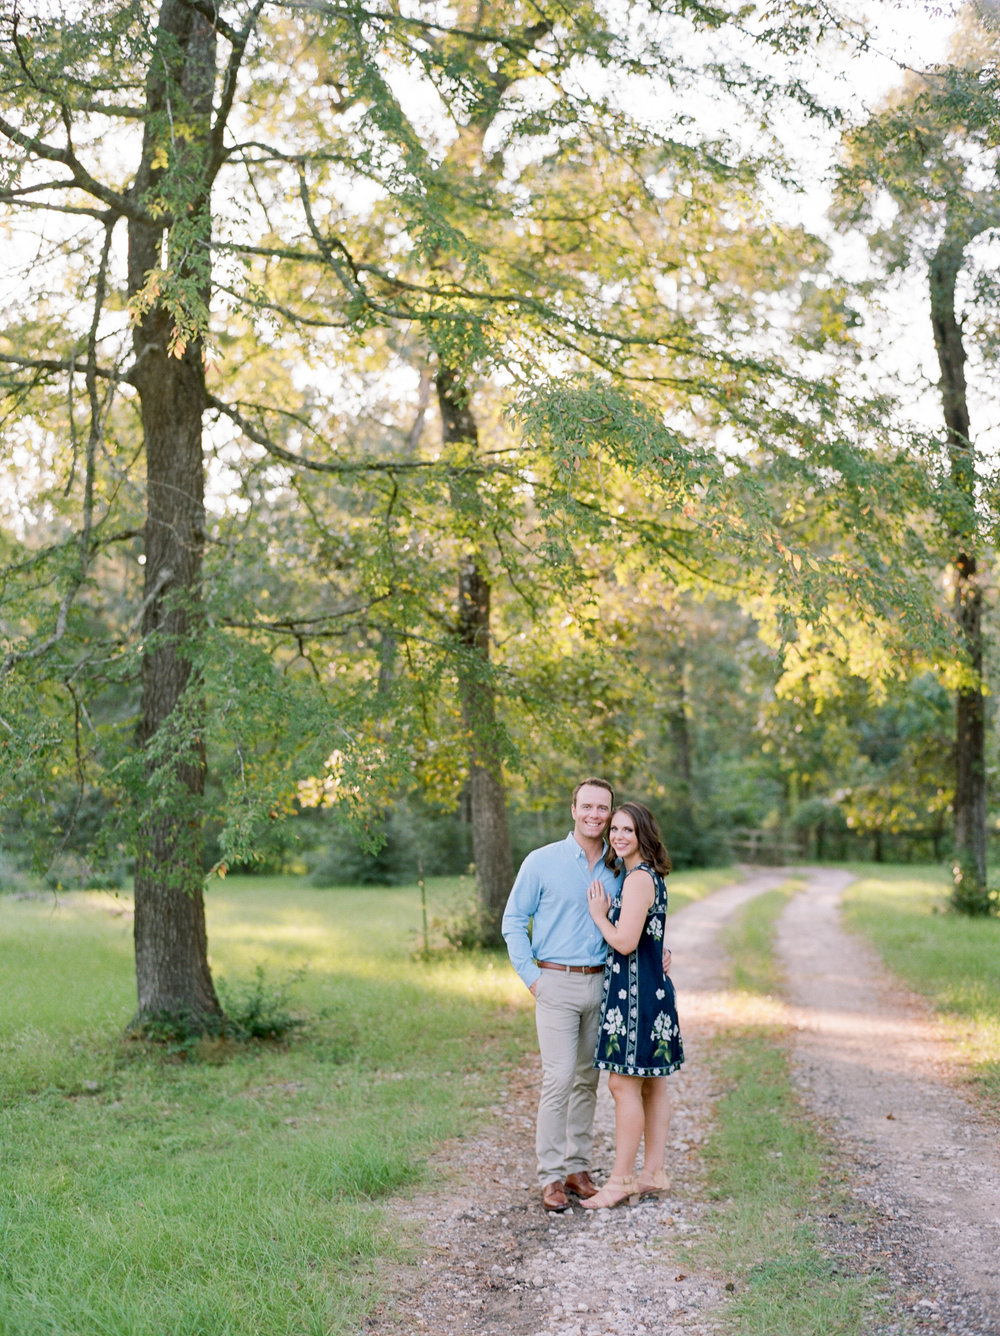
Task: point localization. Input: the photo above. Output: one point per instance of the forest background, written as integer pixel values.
(411, 409)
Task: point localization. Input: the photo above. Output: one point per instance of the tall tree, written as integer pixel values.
(63, 80)
(552, 239)
(933, 152)
(487, 798)
(168, 372)
(497, 259)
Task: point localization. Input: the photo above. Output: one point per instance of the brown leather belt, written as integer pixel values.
(570, 969)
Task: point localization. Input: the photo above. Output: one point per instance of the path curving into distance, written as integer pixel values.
(873, 1064)
(490, 1262)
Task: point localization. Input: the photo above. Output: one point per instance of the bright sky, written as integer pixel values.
(905, 34)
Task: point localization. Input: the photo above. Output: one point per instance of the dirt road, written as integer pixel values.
(873, 1068)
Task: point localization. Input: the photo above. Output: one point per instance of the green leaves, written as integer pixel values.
(638, 346)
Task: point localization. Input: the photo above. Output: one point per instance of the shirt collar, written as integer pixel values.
(578, 848)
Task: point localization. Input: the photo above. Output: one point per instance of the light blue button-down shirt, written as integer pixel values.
(551, 892)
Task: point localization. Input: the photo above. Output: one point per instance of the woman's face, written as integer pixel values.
(621, 835)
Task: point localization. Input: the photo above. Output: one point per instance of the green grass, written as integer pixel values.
(769, 1171)
(952, 960)
(772, 1175)
(684, 887)
(144, 1196)
(749, 940)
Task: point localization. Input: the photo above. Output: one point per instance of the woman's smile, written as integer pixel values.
(622, 838)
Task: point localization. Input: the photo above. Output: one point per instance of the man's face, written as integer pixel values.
(591, 812)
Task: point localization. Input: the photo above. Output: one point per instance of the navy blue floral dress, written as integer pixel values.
(638, 1034)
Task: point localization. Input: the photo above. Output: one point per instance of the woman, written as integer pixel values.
(638, 1041)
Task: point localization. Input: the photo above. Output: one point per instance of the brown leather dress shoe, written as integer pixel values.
(554, 1196)
(581, 1185)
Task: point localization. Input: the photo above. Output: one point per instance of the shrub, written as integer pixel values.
(254, 1011)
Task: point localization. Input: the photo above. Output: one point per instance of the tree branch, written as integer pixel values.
(233, 65)
(14, 197)
(520, 45)
(210, 11)
(82, 180)
(338, 467)
(301, 628)
(97, 415)
(345, 269)
(62, 364)
(294, 318)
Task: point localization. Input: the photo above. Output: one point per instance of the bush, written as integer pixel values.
(970, 896)
(258, 1009)
(413, 839)
(254, 1011)
(71, 872)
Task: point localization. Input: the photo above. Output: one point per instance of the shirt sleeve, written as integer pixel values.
(522, 904)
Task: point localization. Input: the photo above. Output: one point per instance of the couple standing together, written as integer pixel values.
(584, 929)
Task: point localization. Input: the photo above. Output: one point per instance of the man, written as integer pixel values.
(561, 961)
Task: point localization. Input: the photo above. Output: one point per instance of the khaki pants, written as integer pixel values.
(567, 1010)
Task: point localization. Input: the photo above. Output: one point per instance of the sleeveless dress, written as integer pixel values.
(638, 1034)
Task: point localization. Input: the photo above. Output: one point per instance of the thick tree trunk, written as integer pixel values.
(970, 734)
(487, 799)
(172, 971)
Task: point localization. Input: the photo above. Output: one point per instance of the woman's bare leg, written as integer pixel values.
(656, 1120)
(621, 1185)
(629, 1121)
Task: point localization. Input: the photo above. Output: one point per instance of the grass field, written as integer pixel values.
(147, 1195)
(142, 1195)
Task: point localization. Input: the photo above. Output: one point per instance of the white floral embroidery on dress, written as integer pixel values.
(614, 1022)
(663, 1031)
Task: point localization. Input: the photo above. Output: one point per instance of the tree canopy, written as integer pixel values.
(393, 396)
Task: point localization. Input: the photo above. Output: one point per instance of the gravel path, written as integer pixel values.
(491, 1262)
